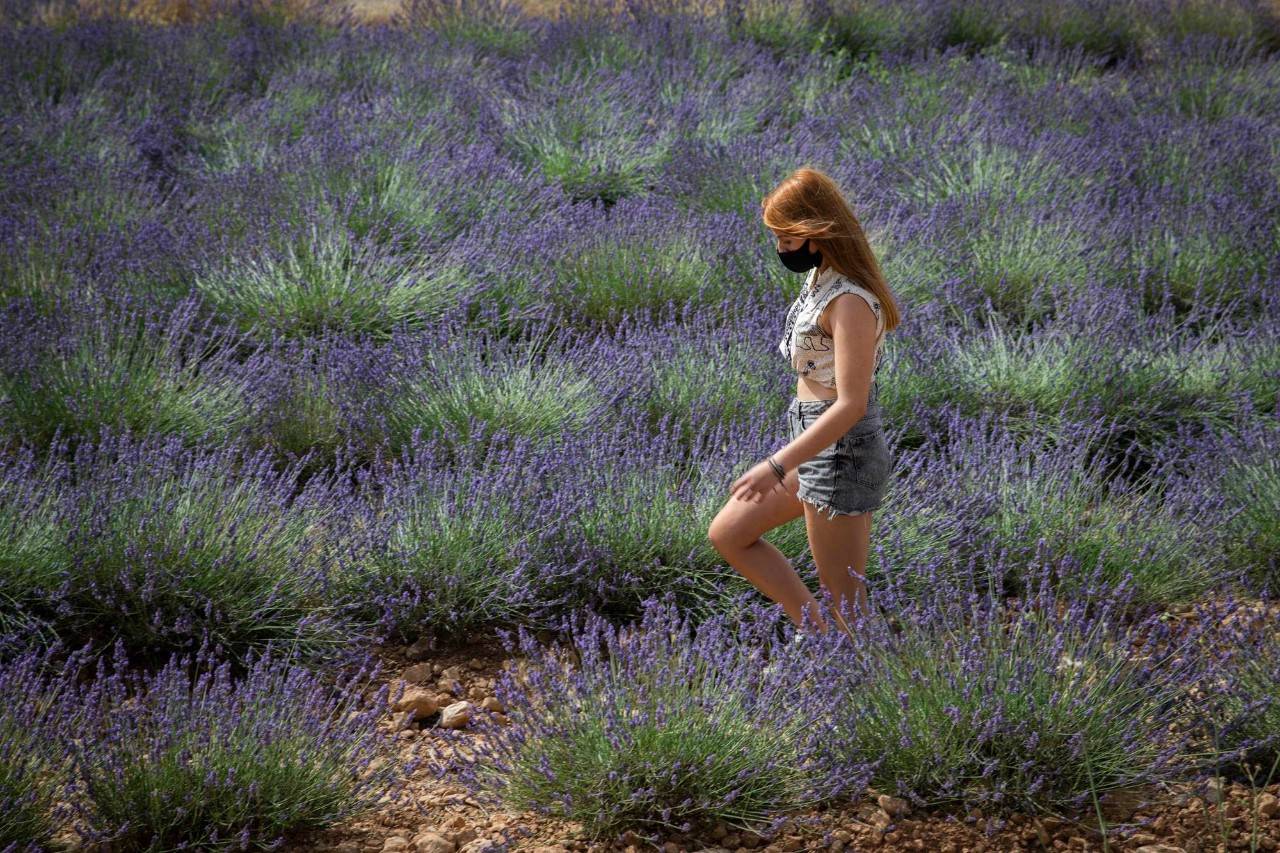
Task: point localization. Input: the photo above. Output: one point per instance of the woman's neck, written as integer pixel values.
(820, 272)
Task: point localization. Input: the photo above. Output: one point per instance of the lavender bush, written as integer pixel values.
(326, 278)
(506, 528)
(313, 399)
(1253, 484)
(534, 388)
(71, 238)
(1043, 703)
(191, 756)
(124, 366)
(1240, 727)
(162, 547)
(370, 333)
(1070, 512)
(650, 727)
(36, 718)
(1151, 375)
(1036, 702)
(988, 485)
(1236, 470)
(441, 548)
(492, 25)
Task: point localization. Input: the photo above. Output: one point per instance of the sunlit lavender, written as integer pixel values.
(321, 337)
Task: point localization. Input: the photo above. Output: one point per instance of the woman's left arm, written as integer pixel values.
(853, 328)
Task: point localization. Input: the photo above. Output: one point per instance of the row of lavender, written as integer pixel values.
(483, 512)
(174, 370)
(318, 339)
(950, 695)
(398, 175)
(161, 545)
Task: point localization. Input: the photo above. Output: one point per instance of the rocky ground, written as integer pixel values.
(441, 819)
(377, 11)
(373, 11)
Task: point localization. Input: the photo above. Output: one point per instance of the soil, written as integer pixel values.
(1178, 817)
(380, 11)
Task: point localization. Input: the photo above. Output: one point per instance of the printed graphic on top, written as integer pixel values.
(810, 350)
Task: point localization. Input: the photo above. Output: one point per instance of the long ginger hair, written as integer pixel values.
(808, 204)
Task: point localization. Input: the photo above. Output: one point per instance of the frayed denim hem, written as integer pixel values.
(831, 511)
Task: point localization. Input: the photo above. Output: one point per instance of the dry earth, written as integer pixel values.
(373, 11)
(378, 11)
(52, 12)
(441, 818)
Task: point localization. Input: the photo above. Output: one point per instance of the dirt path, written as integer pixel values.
(378, 11)
(374, 11)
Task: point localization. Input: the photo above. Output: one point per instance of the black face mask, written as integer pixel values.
(800, 260)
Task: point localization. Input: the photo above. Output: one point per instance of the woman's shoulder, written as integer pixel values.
(843, 284)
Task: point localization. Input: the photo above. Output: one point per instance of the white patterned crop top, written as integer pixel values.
(809, 349)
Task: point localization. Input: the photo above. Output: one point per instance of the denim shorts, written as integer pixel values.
(850, 476)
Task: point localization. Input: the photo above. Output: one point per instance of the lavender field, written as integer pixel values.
(333, 357)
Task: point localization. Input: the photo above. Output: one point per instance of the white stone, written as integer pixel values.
(455, 716)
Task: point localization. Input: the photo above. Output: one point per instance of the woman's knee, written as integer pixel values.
(721, 534)
(730, 533)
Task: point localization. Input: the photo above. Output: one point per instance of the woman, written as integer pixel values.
(836, 465)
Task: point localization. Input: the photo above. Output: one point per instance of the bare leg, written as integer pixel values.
(839, 546)
(735, 532)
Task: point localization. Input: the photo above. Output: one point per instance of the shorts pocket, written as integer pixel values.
(865, 428)
(872, 421)
(866, 457)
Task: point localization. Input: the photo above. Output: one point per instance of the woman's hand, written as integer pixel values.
(759, 481)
